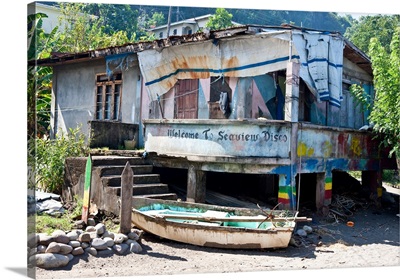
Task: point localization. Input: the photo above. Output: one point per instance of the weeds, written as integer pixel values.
(47, 158)
(47, 223)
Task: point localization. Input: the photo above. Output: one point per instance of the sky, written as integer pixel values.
(13, 123)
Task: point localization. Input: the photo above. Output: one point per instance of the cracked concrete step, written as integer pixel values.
(117, 169)
(115, 180)
(116, 160)
(165, 196)
(145, 189)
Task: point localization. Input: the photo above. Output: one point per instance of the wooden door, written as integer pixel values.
(186, 98)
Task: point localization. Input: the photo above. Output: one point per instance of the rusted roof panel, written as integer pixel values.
(351, 52)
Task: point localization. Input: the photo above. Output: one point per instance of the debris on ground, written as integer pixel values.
(43, 202)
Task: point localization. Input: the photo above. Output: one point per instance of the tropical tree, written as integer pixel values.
(115, 18)
(385, 114)
(221, 19)
(38, 78)
(157, 19)
(83, 32)
(381, 27)
(378, 36)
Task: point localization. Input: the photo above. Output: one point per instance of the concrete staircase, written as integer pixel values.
(106, 181)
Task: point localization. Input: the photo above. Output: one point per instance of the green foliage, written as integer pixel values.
(379, 37)
(83, 32)
(361, 96)
(45, 223)
(47, 158)
(381, 27)
(39, 78)
(48, 224)
(391, 177)
(314, 20)
(115, 18)
(78, 32)
(221, 19)
(157, 19)
(386, 67)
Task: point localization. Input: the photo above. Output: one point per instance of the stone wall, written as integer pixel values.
(74, 178)
(111, 134)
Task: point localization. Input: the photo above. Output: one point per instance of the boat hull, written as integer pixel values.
(213, 235)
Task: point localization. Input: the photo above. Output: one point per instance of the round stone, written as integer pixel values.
(100, 228)
(58, 232)
(109, 241)
(41, 249)
(120, 249)
(65, 249)
(301, 232)
(73, 235)
(74, 244)
(133, 236)
(77, 251)
(84, 245)
(53, 247)
(50, 260)
(90, 229)
(92, 251)
(99, 244)
(84, 237)
(62, 238)
(135, 247)
(91, 222)
(120, 238)
(108, 234)
(70, 257)
(45, 239)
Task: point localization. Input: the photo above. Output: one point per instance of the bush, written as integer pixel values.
(47, 158)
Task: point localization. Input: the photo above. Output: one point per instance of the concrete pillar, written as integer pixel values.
(373, 180)
(242, 105)
(323, 190)
(196, 185)
(291, 111)
(328, 190)
(53, 108)
(292, 92)
(287, 192)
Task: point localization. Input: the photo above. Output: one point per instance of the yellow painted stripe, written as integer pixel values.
(328, 186)
(283, 195)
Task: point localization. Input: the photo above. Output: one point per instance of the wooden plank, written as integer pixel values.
(235, 218)
(126, 199)
(86, 189)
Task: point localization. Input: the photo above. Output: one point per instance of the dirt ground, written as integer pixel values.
(373, 242)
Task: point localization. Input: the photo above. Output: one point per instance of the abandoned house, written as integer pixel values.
(256, 110)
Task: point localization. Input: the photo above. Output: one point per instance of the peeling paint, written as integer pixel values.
(303, 150)
(328, 188)
(327, 148)
(287, 195)
(355, 146)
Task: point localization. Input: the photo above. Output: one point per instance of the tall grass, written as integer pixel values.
(46, 158)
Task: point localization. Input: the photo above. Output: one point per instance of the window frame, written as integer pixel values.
(105, 83)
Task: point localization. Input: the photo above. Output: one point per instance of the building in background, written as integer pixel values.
(183, 27)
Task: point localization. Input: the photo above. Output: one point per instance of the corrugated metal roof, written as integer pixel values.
(351, 52)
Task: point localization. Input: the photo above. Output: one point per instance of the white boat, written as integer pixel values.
(215, 226)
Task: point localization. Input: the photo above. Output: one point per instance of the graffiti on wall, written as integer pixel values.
(219, 139)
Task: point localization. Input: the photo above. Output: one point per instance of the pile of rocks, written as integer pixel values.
(59, 248)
